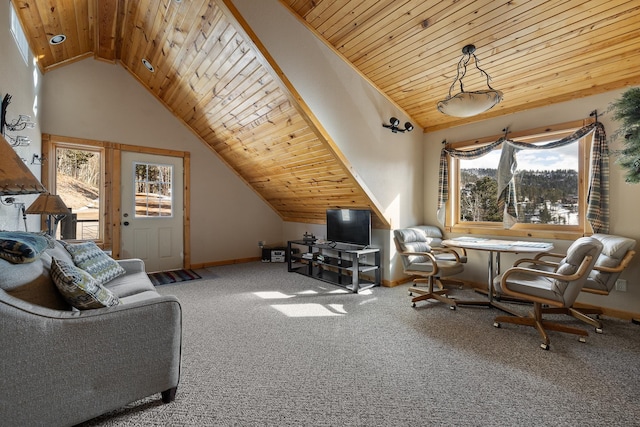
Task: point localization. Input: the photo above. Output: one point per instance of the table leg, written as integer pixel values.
(494, 271)
(491, 276)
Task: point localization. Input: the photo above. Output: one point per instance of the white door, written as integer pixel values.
(152, 210)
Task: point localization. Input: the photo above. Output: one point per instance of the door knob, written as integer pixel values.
(125, 223)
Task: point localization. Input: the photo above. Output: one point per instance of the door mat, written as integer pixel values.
(174, 276)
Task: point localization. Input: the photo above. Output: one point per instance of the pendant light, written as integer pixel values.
(467, 104)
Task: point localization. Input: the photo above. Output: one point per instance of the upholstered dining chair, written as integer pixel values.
(419, 259)
(617, 252)
(556, 288)
(434, 238)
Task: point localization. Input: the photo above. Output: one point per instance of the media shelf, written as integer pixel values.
(341, 266)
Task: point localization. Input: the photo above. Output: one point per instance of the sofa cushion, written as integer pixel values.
(89, 257)
(130, 284)
(20, 247)
(79, 288)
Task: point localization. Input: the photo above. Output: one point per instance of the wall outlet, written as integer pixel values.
(621, 285)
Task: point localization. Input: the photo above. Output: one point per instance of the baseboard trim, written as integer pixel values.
(225, 262)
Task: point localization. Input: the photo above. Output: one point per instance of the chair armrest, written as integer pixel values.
(447, 251)
(620, 267)
(427, 254)
(548, 254)
(110, 356)
(536, 261)
(582, 270)
(132, 265)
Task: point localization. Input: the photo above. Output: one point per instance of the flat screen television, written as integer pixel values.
(351, 226)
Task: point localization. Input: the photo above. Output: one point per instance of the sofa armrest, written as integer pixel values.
(132, 265)
(98, 360)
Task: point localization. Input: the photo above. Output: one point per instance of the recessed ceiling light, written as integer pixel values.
(57, 39)
(148, 65)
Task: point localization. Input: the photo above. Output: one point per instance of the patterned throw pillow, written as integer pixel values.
(21, 247)
(79, 288)
(89, 257)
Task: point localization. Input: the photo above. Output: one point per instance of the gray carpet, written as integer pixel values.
(263, 347)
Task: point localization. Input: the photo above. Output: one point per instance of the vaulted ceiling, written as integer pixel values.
(211, 72)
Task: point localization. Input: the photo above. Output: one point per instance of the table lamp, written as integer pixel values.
(52, 206)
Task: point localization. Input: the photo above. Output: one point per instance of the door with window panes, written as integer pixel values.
(152, 210)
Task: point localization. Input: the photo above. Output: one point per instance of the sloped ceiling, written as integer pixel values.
(538, 52)
(223, 85)
(210, 74)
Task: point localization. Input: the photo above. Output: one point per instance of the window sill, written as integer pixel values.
(516, 232)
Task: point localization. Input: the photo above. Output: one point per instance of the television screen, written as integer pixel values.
(351, 226)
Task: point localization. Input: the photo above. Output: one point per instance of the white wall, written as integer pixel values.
(22, 81)
(352, 112)
(624, 198)
(101, 101)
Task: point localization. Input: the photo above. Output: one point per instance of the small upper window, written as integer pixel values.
(19, 36)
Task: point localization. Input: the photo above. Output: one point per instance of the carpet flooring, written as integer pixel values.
(173, 276)
(263, 347)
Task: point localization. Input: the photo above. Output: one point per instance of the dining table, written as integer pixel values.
(494, 247)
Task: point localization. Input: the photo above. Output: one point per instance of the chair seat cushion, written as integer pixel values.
(445, 268)
(130, 284)
(539, 286)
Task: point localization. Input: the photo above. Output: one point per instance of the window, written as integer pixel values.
(77, 182)
(19, 36)
(153, 190)
(550, 188)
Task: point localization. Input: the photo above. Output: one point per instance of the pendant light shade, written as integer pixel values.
(15, 176)
(467, 104)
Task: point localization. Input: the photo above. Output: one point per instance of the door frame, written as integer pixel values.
(111, 186)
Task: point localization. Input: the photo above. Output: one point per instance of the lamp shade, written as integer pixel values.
(467, 104)
(15, 176)
(50, 204)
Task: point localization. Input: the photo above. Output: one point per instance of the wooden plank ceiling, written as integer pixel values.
(211, 75)
(538, 52)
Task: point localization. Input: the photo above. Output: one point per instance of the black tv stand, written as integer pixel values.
(336, 263)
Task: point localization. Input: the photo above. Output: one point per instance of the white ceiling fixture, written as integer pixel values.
(467, 104)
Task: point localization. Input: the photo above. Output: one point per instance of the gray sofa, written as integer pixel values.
(61, 366)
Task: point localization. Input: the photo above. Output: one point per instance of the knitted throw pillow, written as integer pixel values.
(89, 257)
(78, 287)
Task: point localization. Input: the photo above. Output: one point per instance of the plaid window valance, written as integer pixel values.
(598, 195)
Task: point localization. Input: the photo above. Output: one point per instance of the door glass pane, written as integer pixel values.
(152, 190)
(78, 185)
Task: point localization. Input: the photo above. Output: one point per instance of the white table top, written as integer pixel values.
(496, 245)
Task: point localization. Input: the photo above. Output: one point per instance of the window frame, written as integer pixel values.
(19, 36)
(50, 145)
(560, 232)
